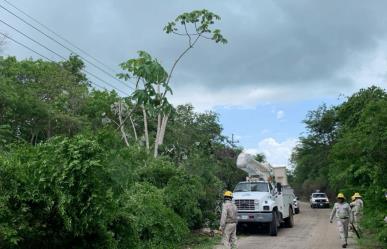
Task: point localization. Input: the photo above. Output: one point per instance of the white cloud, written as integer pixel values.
(280, 114)
(277, 153)
(242, 97)
(204, 98)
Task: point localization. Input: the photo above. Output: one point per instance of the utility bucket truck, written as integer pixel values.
(262, 199)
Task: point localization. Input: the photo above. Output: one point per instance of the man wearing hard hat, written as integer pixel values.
(228, 221)
(342, 211)
(357, 210)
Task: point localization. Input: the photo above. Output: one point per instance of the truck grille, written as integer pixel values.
(245, 204)
(321, 200)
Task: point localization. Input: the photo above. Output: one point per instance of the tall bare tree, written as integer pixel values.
(151, 96)
(194, 26)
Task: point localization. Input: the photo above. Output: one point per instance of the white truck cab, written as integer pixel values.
(262, 201)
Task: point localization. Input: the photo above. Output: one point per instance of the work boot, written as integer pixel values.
(344, 246)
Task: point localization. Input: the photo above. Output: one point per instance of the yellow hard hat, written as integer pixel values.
(340, 195)
(356, 195)
(227, 194)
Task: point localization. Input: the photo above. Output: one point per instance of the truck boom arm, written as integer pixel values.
(247, 163)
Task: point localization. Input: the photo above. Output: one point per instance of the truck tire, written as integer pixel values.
(289, 221)
(273, 228)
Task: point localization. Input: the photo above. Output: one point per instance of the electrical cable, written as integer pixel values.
(60, 36)
(59, 43)
(45, 57)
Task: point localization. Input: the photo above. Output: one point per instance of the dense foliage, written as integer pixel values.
(67, 179)
(345, 150)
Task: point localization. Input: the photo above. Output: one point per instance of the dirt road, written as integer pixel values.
(312, 230)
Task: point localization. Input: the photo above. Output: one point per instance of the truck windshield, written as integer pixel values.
(252, 187)
(319, 195)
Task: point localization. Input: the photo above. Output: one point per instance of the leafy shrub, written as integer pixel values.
(157, 226)
(204, 167)
(182, 194)
(157, 172)
(65, 194)
(61, 195)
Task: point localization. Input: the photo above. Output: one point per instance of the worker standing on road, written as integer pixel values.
(357, 210)
(228, 221)
(342, 211)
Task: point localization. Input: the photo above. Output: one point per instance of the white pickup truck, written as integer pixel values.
(260, 199)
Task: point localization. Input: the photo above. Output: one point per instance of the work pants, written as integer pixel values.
(356, 220)
(342, 226)
(229, 236)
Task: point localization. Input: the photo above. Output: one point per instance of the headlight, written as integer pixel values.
(256, 202)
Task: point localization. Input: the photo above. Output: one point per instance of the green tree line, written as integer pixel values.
(345, 150)
(87, 168)
(68, 180)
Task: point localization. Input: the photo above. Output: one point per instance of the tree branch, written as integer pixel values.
(177, 61)
(121, 124)
(138, 80)
(191, 34)
(189, 37)
(134, 128)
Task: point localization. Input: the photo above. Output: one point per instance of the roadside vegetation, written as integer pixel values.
(69, 180)
(197, 241)
(87, 168)
(345, 150)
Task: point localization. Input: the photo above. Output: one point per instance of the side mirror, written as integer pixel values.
(297, 198)
(279, 187)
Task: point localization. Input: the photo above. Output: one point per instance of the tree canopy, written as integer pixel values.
(344, 150)
(68, 181)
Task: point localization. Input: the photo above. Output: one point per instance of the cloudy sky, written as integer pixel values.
(283, 57)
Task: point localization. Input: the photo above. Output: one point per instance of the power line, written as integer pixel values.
(65, 47)
(41, 55)
(37, 42)
(25, 46)
(62, 57)
(60, 36)
(45, 57)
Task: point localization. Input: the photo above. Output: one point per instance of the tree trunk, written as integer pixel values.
(145, 128)
(134, 128)
(122, 128)
(157, 140)
(163, 128)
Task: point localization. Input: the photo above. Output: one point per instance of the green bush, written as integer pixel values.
(71, 193)
(182, 194)
(204, 167)
(157, 172)
(60, 195)
(157, 226)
